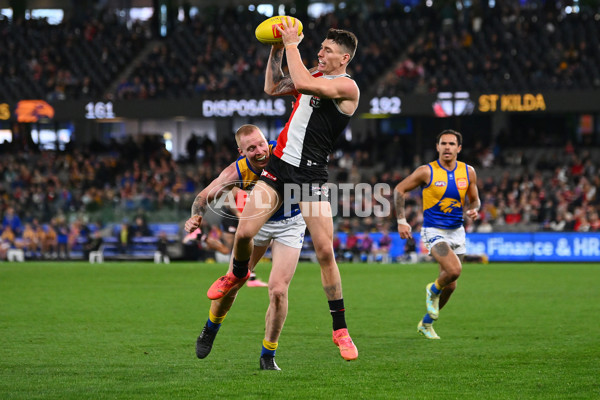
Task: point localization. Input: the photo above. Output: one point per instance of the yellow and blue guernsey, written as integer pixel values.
(444, 196)
(248, 178)
(246, 174)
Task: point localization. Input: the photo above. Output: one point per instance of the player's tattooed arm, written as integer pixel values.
(283, 83)
(199, 205)
(399, 203)
(276, 60)
(276, 83)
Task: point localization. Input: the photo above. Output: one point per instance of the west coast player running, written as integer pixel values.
(445, 182)
(325, 100)
(284, 232)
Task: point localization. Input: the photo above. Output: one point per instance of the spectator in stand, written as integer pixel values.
(124, 236)
(162, 245)
(366, 247)
(594, 221)
(384, 245)
(140, 228)
(62, 240)
(12, 219)
(40, 237)
(337, 246)
(410, 252)
(49, 241)
(7, 241)
(29, 242)
(93, 243)
(484, 227)
(352, 248)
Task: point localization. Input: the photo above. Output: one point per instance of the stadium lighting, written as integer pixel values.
(265, 9)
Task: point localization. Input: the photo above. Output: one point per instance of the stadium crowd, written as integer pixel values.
(508, 48)
(424, 50)
(61, 191)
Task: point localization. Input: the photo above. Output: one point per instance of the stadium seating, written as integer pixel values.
(38, 60)
(215, 55)
(399, 52)
(515, 50)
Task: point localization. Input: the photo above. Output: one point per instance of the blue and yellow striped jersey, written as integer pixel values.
(246, 174)
(444, 196)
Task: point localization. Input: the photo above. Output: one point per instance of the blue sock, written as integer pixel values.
(212, 325)
(427, 319)
(435, 290)
(266, 352)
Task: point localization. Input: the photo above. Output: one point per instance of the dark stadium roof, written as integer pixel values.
(65, 4)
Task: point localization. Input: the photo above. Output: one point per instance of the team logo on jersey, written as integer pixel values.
(267, 175)
(315, 102)
(462, 183)
(440, 184)
(448, 205)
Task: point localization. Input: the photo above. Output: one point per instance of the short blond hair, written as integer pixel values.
(244, 130)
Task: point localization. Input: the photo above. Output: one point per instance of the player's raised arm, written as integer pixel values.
(420, 176)
(473, 195)
(220, 184)
(276, 83)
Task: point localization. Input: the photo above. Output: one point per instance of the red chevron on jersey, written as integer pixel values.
(267, 175)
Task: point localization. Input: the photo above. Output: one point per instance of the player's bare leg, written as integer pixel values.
(285, 260)
(319, 222)
(219, 309)
(451, 287)
(450, 269)
(438, 293)
(262, 203)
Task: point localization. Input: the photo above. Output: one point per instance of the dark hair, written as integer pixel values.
(344, 38)
(449, 132)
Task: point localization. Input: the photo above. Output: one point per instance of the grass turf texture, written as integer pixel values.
(127, 330)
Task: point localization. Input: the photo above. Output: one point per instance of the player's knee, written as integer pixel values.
(244, 234)
(453, 272)
(325, 256)
(277, 294)
(324, 251)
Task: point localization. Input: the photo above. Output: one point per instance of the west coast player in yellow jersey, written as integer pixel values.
(445, 183)
(284, 232)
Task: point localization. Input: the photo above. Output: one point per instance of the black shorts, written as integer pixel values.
(294, 183)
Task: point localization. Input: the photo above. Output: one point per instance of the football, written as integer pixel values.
(268, 34)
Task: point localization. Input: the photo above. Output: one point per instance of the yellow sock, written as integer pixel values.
(214, 319)
(270, 346)
(437, 285)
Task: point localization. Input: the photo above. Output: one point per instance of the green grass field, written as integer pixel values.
(128, 330)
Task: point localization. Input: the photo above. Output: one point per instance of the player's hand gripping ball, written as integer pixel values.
(267, 33)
